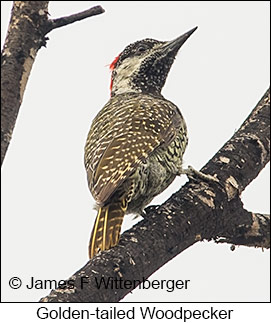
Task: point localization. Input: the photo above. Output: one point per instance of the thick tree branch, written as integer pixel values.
(241, 159)
(28, 27)
(19, 52)
(200, 210)
(255, 235)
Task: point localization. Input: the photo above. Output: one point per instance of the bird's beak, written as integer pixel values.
(176, 44)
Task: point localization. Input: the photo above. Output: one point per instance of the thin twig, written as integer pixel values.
(63, 21)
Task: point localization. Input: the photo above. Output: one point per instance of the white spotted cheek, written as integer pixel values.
(124, 72)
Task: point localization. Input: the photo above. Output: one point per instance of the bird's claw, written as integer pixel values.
(196, 175)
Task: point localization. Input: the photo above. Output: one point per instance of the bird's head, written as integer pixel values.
(143, 66)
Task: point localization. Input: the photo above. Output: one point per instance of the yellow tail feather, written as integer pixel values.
(106, 231)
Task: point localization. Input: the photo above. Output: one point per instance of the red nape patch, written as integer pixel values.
(112, 65)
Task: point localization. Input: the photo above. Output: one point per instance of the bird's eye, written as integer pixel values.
(141, 49)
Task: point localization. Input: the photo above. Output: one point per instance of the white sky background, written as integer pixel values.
(218, 77)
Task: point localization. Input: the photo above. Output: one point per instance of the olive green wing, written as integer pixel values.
(129, 141)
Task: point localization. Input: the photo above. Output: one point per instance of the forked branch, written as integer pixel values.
(28, 27)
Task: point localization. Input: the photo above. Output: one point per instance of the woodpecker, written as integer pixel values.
(135, 145)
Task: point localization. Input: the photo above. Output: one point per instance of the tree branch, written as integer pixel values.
(242, 158)
(255, 235)
(28, 27)
(63, 21)
(19, 52)
(200, 210)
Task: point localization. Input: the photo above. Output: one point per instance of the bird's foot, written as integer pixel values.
(196, 175)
